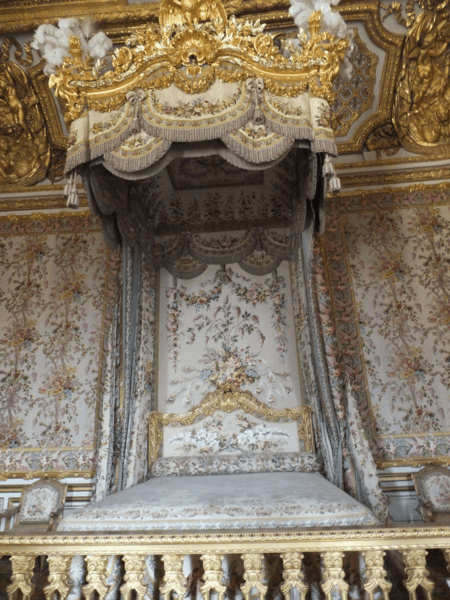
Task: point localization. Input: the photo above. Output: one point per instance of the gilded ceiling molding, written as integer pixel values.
(111, 13)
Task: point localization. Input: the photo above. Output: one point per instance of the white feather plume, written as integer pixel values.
(53, 42)
(331, 21)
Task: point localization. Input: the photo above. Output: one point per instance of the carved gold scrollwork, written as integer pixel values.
(212, 565)
(421, 112)
(195, 44)
(22, 572)
(58, 578)
(417, 573)
(333, 575)
(174, 580)
(96, 577)
(293, 575)
(134, 573)
(253, 575)
(375, 574)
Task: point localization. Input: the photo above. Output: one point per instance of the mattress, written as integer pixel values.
(237, 501)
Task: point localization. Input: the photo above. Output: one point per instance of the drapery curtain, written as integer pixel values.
(340, 435)
(127, 386)
(127, 394)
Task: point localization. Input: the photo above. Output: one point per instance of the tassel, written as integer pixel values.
(334, 184)
(71, 192)
(258, 117)
(328, 168)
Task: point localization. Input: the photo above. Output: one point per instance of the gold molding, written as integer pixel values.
(5, 475)
(303, 540)
(228, 398)
(412, 462)
(428, 174)
(37, 203)
(112, 13)
(418, 187)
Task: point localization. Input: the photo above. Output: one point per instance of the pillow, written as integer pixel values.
(225, 464)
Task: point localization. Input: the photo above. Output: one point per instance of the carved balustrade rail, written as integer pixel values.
(94, 565)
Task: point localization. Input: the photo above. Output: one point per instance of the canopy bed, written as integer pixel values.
(230, 462)
(161, 130)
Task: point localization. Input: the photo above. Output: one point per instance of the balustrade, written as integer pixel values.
(297, 551)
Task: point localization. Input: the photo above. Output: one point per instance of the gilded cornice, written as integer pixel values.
(114, 13)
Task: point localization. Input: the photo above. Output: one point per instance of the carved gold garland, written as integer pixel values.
(228, 398)
(193, 47)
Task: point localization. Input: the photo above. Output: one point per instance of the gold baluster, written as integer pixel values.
(134, 577)
(376, 574)
(22, 572)
(212, 566)
(58, 577)
(447, 557)
(96, 577)
(253, 575)
(333, 575)
(293, 576)
(417, 572)
(174, 580)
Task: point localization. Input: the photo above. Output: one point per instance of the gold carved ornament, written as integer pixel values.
(194, 45)
(24, 140)
(421, 111)
(228, 398)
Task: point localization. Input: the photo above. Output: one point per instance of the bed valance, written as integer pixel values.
(196, 85)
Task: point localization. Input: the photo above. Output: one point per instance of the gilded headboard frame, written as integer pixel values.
(228, 399)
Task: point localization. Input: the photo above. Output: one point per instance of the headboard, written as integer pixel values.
(229, 421)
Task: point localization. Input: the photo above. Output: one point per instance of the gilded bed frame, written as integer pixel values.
(228, 399)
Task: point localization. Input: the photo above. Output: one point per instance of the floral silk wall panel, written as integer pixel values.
(387, 259)
(54, 277)
(227, 326)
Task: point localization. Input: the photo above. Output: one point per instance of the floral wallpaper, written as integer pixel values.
(387, 260)
(53, 293)
(227, 327)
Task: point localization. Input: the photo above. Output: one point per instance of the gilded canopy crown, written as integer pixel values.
(194, 45)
